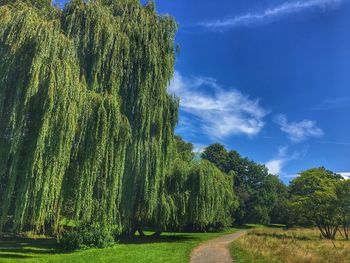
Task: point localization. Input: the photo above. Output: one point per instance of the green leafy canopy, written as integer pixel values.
(86, 120)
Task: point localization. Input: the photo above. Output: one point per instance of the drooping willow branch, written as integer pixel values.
(86, 120)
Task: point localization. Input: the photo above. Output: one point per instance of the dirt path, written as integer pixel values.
(215, 250)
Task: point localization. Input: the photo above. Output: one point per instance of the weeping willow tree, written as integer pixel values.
(212, 200)
(198, 196)
(86, 122)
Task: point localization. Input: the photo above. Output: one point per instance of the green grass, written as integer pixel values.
(244, 256)
(278, 245)
(170, 247)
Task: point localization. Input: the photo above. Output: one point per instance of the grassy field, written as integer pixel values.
(168, 248)
(272, 245)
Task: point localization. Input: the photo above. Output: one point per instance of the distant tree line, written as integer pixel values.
(258, 191)
(315, 198)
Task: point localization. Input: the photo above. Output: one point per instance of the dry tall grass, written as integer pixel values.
(291, 246)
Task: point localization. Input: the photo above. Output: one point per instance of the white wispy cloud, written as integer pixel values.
(58, 3)
(335, 143)
(272, 13)
(199, 148)
(291, 176)
(217, 112)
(276, 165)
(298, 131)
(333, 103)
(346, 175)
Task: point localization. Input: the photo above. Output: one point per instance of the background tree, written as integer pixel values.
(218, 155)
(343, 194)
(279, 212)
(184, 150)
(256, 188)
(198, 195)
(314, 198)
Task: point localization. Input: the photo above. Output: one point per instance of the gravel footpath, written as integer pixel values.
(215, 250)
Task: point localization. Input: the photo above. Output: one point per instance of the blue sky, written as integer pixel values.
(270, 79)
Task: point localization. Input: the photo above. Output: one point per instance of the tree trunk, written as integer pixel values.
(157, 234)
(328, 232)
(346, 230)
(140, 232)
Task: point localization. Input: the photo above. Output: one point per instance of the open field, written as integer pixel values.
(169, 247)
(272, 245)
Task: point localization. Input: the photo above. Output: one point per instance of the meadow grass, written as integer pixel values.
(273, 245)
(170, 247)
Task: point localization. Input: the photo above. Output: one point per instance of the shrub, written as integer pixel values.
(71, 240)
(87, 237)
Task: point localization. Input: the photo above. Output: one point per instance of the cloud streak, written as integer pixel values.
(333, 103)
(276, 165)
(345, 175)
(214, 111)
(334, 142)
(271, 14)
(298, 131)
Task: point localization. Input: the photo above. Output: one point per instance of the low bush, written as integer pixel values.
(87, 237)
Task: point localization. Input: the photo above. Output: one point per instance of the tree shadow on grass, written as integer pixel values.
(24, 246)
(245, 226)
(161, 239)
(13, 256)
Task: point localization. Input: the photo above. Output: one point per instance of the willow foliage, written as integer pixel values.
(200, 197)
(212, 201)
(86, 121)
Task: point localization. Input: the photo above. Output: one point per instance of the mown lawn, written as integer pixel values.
(170, 247)
(272, 245)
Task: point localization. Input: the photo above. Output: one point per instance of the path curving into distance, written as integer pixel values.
(215, 250)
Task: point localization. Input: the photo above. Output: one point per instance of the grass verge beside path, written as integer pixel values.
(170, 247)
(273, 245)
